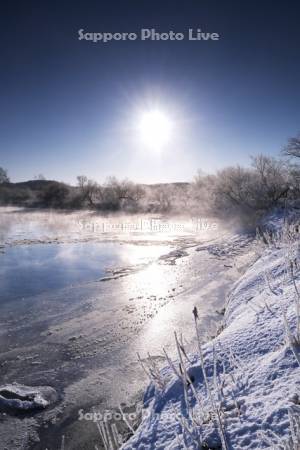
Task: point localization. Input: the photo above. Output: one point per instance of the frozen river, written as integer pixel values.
(80, 295)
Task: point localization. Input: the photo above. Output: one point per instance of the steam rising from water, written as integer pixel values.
(19, 225)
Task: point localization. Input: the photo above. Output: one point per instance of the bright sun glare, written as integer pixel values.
(155, 129)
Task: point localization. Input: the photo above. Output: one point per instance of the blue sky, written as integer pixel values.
(70, 107)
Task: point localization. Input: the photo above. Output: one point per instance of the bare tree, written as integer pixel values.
(3, 176)
(90, 190)
(293, 147)
(232, 188)
(55, 195)
(273, 181)
(40, 177)
(81, 181)
(121, 193)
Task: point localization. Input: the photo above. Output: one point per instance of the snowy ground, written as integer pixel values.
(248, 394)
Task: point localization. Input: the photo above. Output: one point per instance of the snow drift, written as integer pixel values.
(242, 390)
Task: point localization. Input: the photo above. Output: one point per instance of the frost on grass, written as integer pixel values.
(17, 397)
(242, 389)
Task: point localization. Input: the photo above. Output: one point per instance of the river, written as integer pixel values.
(81, 294)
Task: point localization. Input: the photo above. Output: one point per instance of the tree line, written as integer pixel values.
(268, 182)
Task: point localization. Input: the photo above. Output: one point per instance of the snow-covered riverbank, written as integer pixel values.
(246, 394)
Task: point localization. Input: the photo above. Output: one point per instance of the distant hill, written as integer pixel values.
(35, 185)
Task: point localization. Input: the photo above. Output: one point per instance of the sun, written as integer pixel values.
(155, 129)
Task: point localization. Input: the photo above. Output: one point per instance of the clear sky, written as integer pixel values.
(71, 106)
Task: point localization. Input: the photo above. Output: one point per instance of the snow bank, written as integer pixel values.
(253, 374)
